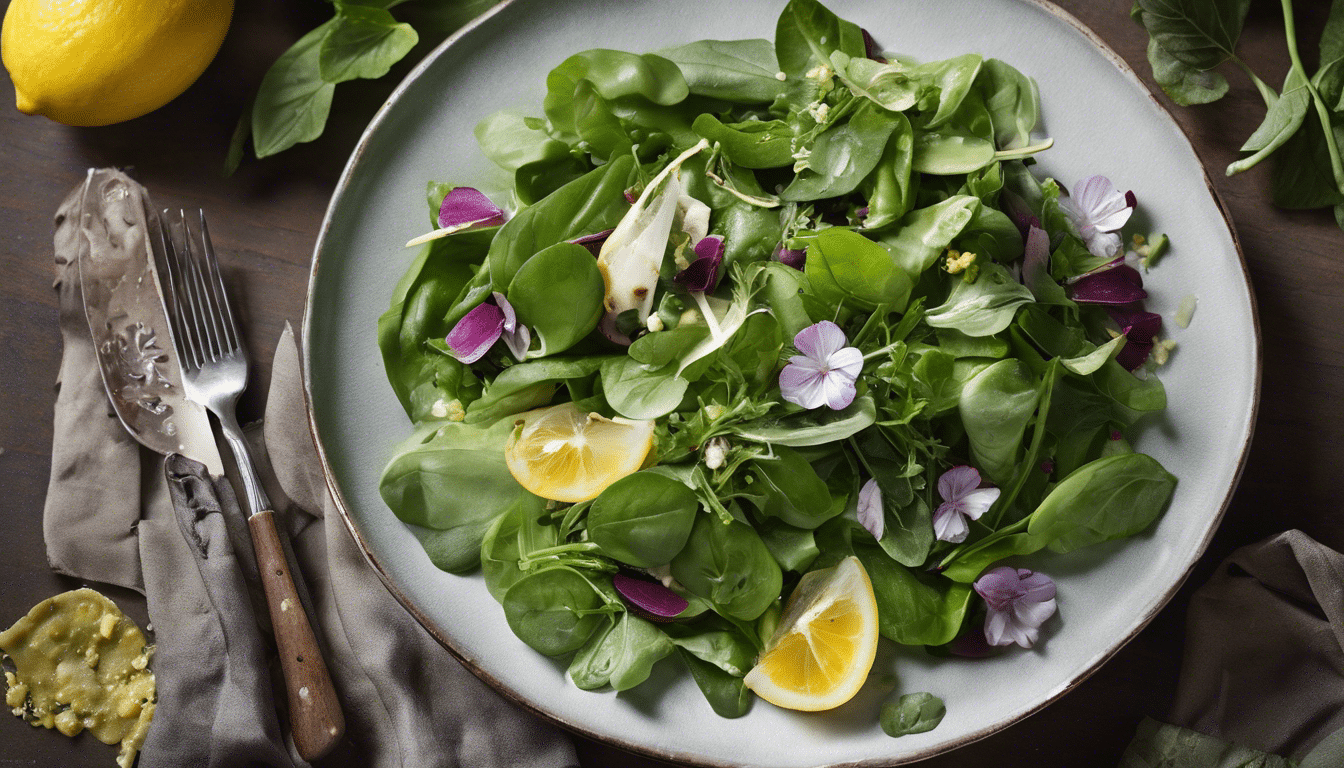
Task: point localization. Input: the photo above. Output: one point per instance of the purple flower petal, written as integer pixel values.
(958, 481)
(594, 241)
(1134, 354)
(949, 524)
(467, 206)
(790, 257)
(653, 600)
(802, 384)
(1135, 323)
(475, 333)
(870, 509)
(702, 273)
(840, 390)
(820, 340)
(1018, 210)
(871, 48)
(1036, 262)
(1117, 285)
(826, 370)
(1017, 602)
(1097, 209)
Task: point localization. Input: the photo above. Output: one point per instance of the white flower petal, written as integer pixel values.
(958, 481)
(996, 626)
(847, 361)
(1028, 613)
(802, 386)
(949, 524)
(870, 509)
(820, 340)
(840, 390)
(1103, 245)
(978, 502)
(518, 341)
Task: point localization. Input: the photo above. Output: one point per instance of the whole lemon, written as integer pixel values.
(95, 62)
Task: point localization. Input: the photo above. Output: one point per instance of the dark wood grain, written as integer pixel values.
(315, 716)
(264, 221)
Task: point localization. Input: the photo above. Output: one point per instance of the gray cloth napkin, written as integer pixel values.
(120, 514)
(1264, 648)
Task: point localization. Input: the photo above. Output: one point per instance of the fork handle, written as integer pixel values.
(314, 711)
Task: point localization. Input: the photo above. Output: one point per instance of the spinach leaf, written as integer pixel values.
(512, 140)
(717, 643)
(913, 609)
(924, 234)
(727, 695)
(750, 144)
(528, 385)
(912, 713)
(1199, 33)
(995, 407)
(555, 610)
(728, 565)
(638, 391)
(1110, 498)
(737, 71)
(558, 294)
(1302, 175)
(293, 100)
(643, 519)
(1185, 84)
(622, 656)
(887, 85)
(815, 427)
(807, 34)
(893, 192)
(844, 266)
(984, 307)
(592, 203)
(364, 43)
(611, 75)
(793, 492)
(1282, 120)
(908, 533)
(953, 78)
(793, 548)
(517, 532)
(1013, 102)
(842, 157)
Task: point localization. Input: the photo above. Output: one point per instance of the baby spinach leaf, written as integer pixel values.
(526, 378)
(1143, 395)
(621, 656)
(293, 100)
(967, 568)
(612, 75)
(995, 407)
(1110, 498)
(815, 427)
(982, 308)
(1282, 120)
(714, 642)
(1013, 102)
(807, 34)
(659, 349)
(592, 203)
(737, 71)
(558, 294)
(727, 695)
(844, 266)
(728, 565)
(638, 391)
(512, 140)
(555, 610)
(794, 548)
(887, 85)
(643, 519)
(750, 144)
(1302, 174)
(513, 534)
(924, 234)
(782, 292)
(364, 43)
(908, 534)
(893, 185)
(793, 492)
(842, 157)
(953, 78)
(912, 713)
(422, 481)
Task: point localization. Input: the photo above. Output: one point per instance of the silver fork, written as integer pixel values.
(214, 374)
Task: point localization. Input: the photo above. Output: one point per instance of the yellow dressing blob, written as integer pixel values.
(81, 664)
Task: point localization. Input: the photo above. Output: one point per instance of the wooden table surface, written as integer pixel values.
(264, 221)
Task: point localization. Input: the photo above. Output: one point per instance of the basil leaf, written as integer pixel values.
(1183, 83)
(293, 100)
(364, 43)
(1199, 33)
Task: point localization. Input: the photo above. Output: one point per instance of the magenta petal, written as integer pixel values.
(651, 598)
(465, 205)
(1118, 285)
(790, 257)
(475, 333)
(594, 241)
(1135, 323)
(1039, 587)
(1134, 354)
(803, 384)
(702, 273)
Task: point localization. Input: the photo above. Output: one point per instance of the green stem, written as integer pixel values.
(1267, 92)
(1020, 152)
(1322, 109)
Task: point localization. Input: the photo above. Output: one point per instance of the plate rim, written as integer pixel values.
(560, 719)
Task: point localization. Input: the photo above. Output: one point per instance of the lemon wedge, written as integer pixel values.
(563, 453)
(825, 644)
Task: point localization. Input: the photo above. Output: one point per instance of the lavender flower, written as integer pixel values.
(1018, 602)
(870, 508)
(825, 372)
(479, 329)
(963, 499)
(1098, 209)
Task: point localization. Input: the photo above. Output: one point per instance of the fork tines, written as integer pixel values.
(205, 329)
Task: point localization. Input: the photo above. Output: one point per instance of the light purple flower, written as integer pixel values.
(479, 329)
(870, 509)
(963, 499)
(1018, 602)
(1036, 260)
(1098, 209)
(825, 372)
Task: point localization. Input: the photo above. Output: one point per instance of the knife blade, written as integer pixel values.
(131, 333)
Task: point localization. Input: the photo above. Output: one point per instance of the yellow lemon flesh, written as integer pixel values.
(96, 62)
(563, 453)
(825, 644)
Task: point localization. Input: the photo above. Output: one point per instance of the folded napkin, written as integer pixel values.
(120, 514)
(1263, 673)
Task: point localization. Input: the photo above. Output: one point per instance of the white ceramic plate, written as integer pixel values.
(1103, 121)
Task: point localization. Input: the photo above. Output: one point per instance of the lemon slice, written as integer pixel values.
(563, 453)
(824, 646)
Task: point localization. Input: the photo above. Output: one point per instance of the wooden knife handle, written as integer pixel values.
(314, 711)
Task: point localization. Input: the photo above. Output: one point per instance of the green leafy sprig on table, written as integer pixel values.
(1304, 122)
(361, 41)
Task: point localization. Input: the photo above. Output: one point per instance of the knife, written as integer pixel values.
(130, 331)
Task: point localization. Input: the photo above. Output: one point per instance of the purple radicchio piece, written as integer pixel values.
(488, 322)
(790, 257)
(1140, 329)
(870, 47)
(468, 206)
(594, 241)
(1121, 284)
(1017, 602)
(650, 598)
(703, 273)
(1036, 261)
(1018, 210)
